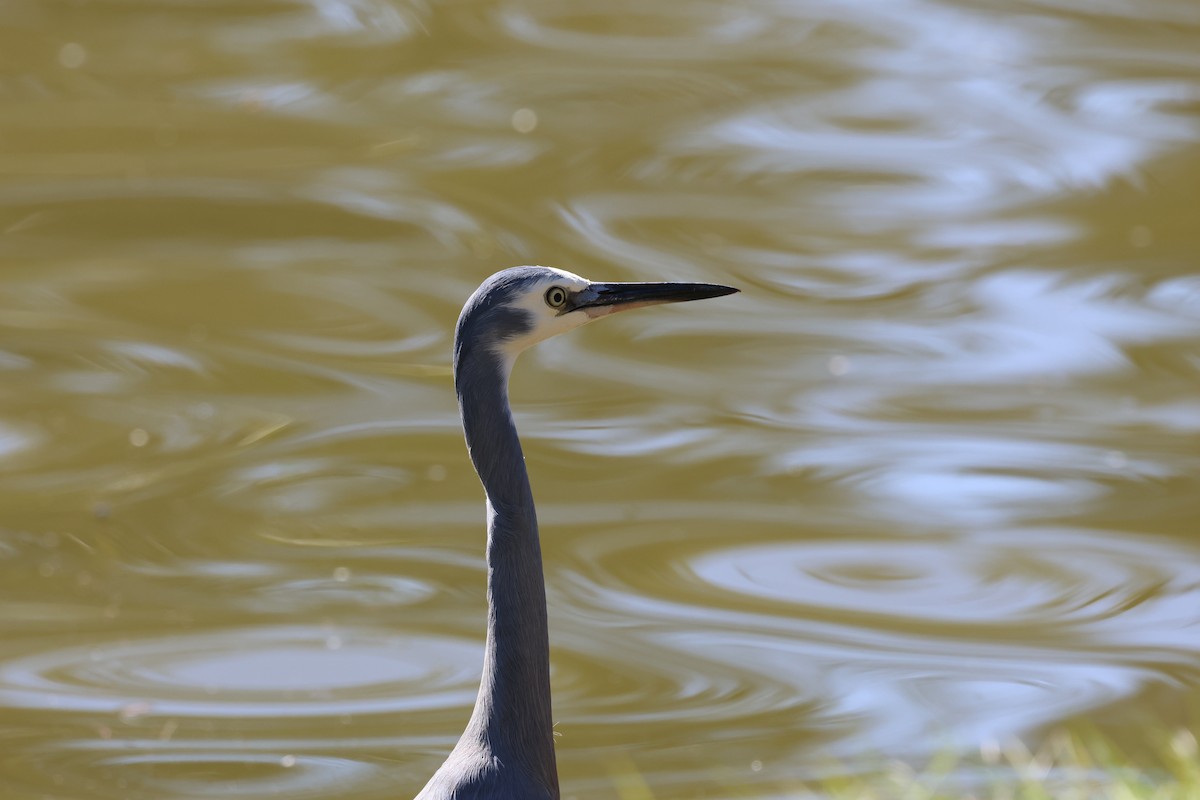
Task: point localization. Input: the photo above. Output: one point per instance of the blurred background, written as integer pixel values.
(931, 481)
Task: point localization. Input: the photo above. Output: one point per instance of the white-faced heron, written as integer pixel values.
(507, 750)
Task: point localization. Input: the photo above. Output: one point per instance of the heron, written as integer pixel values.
(507, 749)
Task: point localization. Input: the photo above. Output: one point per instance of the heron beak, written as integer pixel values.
(600, 299)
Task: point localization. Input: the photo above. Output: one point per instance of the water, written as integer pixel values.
(930, 481)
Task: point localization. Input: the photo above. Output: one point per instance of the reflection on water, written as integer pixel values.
(928, 481)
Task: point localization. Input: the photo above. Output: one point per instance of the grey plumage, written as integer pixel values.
(507, 749)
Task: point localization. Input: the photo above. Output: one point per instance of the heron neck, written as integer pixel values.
(512, 716)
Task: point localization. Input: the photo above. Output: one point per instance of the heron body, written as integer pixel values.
(507, 749)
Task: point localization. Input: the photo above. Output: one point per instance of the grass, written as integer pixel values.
(1065, 767)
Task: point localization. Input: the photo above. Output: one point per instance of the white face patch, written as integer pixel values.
(547, 321)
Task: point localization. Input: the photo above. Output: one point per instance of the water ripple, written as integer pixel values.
(268, 672)
(248, 775)
(1100, 586)
(984, 635)
(199, 768)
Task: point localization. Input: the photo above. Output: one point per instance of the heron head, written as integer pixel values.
(519, 307)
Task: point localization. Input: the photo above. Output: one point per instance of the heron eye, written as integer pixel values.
(556, 296)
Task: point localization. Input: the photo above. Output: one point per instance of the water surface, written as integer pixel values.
(930, 481)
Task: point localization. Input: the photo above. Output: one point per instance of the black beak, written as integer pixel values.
(606, 298)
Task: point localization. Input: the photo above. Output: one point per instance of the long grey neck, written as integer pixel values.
(512, 716)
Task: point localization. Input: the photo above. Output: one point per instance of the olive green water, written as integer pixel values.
(932, 480)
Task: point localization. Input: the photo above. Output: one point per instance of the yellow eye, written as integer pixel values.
(556, 296)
